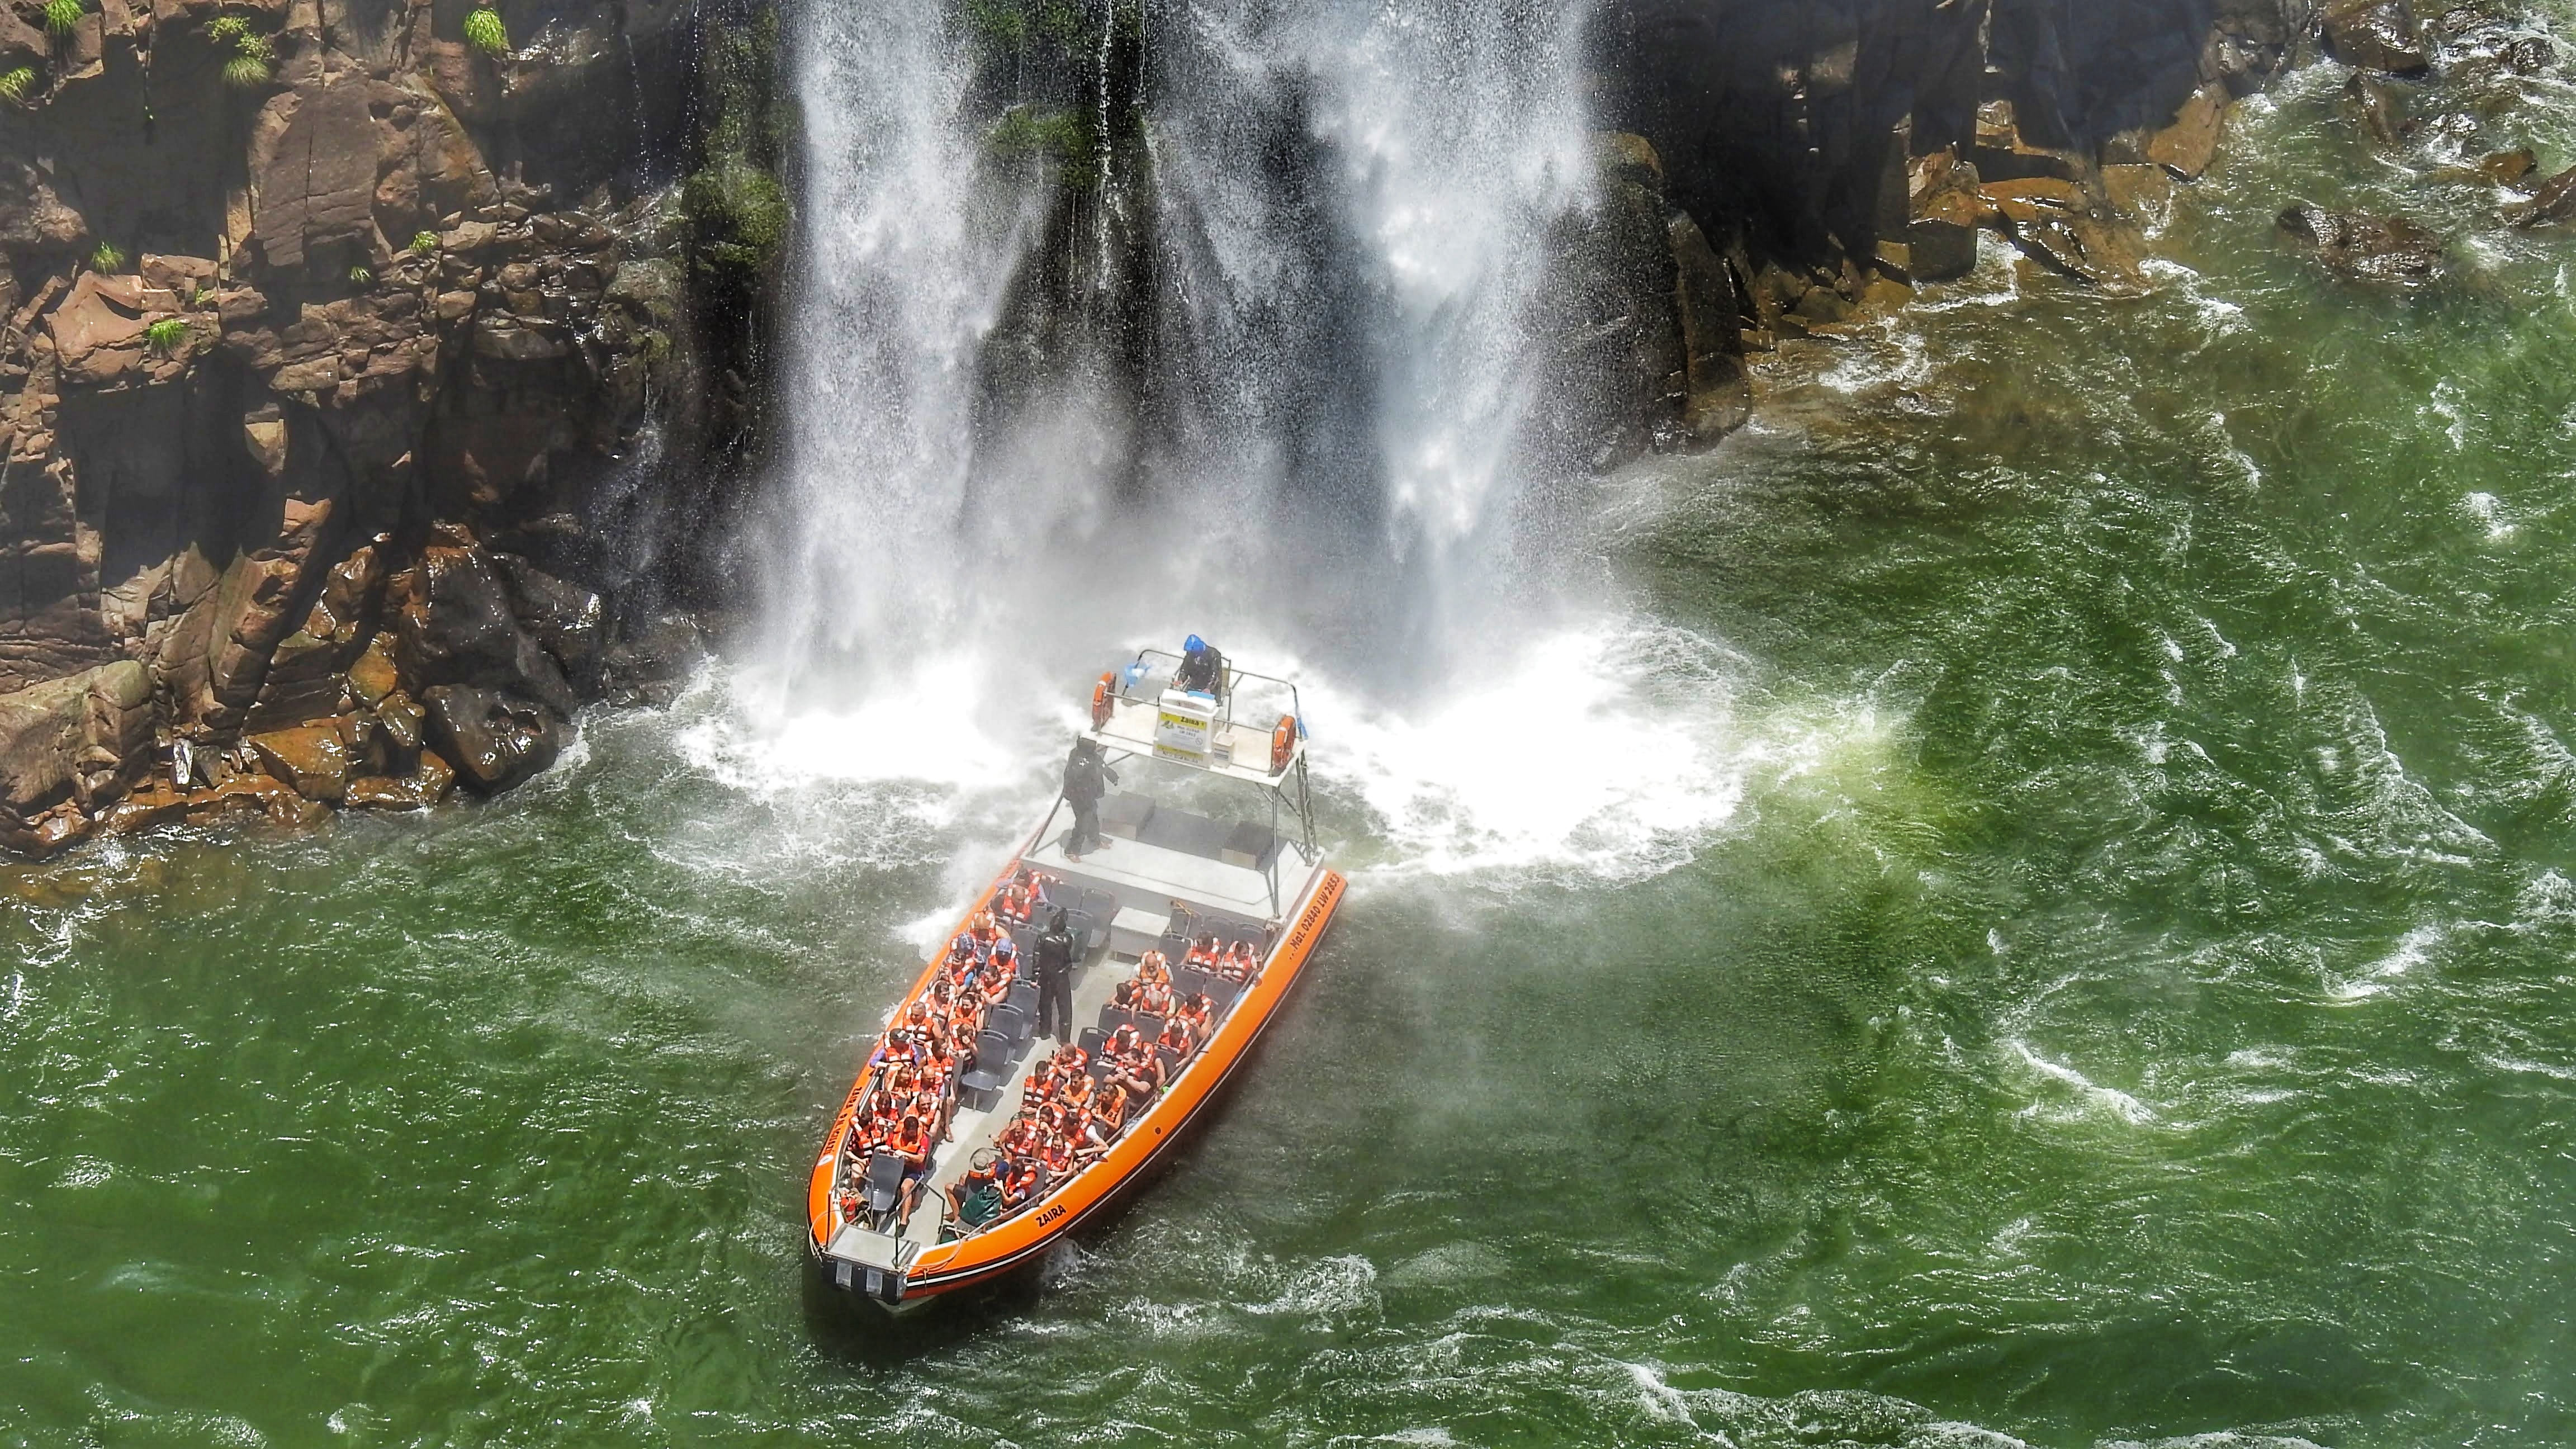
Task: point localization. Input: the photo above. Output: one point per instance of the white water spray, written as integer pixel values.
(1350, 208)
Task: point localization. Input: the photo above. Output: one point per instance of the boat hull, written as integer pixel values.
(1023, 1239)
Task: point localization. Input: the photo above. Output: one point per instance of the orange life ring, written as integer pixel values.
(1283, 742)
(1100, 700)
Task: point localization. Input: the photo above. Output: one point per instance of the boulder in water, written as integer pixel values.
(313, 760)
(425, 786)
(495, 740)
(2376, 35)
(2371, 248)
(2186, 147)
(649, 665)
(459, 626)
(2553, 200)
(2380, 107)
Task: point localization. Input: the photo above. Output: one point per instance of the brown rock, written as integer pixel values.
(2143, 192)
(2553, 200)
(2376, 35)
(460, 627)
(2033, 199)
(2370, 248)
(98, 329)
(374, 676)
(145, 810)
(423, 787)
(403, 721)
(2507, 167)
(313, 760)
(2186, 147)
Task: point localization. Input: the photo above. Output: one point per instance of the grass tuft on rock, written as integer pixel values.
(485, 32)
(17, 84)
(62, 15)
(165, 335)
(107, 257)
(424, 243)
(359, 276)
(253, 62)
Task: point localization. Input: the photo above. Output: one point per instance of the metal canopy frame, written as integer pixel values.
(1289, 790)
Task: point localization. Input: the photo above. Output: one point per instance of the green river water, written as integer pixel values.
(2114, 984)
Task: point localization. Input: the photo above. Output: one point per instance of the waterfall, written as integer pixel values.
(1351, 328)
(1348, 206)
(907, 247)
(1257, 354)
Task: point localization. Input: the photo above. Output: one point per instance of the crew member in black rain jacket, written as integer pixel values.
(1055, 979)
(1083, 787)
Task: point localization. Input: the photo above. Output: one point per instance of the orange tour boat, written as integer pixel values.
(970, 1144)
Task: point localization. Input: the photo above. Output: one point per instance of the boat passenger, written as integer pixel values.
(1075, 1094)
(1203, 954)
(1123, 995)
(911, 1142)
(1055, 1154)
(900, 1046)
(1177, 1036)
(1199, 1013)
(975, 1198)
(1019, 1182)
(1154, 998)
(1132, 1063)
(1240, 963)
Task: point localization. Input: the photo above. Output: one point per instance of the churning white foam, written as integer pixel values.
(1590, 749)
(1609, 748)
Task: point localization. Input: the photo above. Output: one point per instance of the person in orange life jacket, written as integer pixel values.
(911, 1142)
(1177, 1036)
(1101, 1125)
(1123, 995)
(1198, 1013)
(1203, 954)
(1241, 963)
(1109, 1106)
(1019, 1182)
(1055, 979)
(1084, 776)
(1075, 1094)
(982, 1169)
(1132, 1063)
(1154, 998)
(1055, 1154)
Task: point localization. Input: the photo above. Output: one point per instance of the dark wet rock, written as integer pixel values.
(426, 785)
(494, 740)
(2554, 200)
(1944, 212)
(650, 664)
(2376, 35)
(460, 626)
(2380, 107)
(2370, 248)
(566, 618)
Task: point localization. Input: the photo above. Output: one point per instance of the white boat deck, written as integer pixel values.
(1131, 869)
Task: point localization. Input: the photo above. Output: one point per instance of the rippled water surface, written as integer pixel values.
(2049, 919)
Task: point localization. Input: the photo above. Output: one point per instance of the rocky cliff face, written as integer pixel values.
(301, 307)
